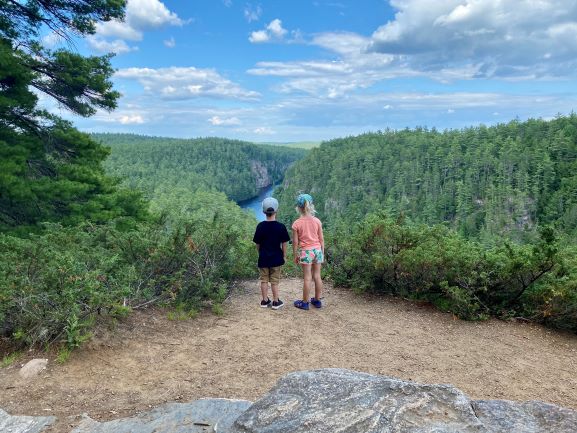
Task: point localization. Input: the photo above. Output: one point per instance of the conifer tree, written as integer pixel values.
(49, 171)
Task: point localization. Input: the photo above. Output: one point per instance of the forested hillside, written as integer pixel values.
(480, 222)
(492, 180)
(158, 165)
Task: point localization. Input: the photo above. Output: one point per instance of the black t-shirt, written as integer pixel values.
(270, 235)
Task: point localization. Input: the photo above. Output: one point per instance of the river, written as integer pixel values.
(254, 204)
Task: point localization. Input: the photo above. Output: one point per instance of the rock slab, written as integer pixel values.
(23, 424)
(337, 400)
(200, 416)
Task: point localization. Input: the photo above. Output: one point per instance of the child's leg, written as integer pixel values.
(316, 274)
(307, 281)
(264, 290)
(275, 274)
(274, 288)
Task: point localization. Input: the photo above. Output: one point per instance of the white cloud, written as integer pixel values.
(506, 39)
(227, 3)
(252, 13)
(263, 130)
(117, 46)
(354, 68)
(141, 16)
(259, 37)
(150, 14)
(181, 83)
(274, 31)
(52, 39)
(219, 121)
(131, 119)
(275, 28)
(343, 43)
(170, 43)
(118, 29)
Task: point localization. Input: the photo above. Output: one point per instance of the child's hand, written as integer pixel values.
(297, 260)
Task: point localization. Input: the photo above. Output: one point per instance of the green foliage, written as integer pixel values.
(458, 275)
(9, 359)
(63, 355)
(157, 165)
(503, 180)
(554, 300)
(23, 20)
(53, 285)
(182, 311)
(48, 170)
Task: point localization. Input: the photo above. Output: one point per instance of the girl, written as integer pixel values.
(308, 238)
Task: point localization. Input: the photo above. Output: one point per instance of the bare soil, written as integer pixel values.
(148, 360)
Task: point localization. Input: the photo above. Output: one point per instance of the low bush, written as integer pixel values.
(462, 276)
(54, 284)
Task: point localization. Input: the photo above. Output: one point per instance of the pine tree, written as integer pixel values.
(49, 170)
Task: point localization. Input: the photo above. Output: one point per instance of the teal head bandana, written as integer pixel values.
(302, 198)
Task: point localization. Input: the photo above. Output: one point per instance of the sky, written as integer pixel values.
(312, 70)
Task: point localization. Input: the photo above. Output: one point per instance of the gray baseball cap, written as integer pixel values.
(269, 204)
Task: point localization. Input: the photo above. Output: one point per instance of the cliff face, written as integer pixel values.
(260, 173)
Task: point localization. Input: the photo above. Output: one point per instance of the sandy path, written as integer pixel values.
(149, 360)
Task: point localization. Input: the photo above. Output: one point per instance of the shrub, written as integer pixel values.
(54, 284)
(462, 276)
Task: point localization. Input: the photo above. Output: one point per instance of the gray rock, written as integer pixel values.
(200, 416)
(335, 400)
(527, 417)
(23, 424)
(32, 368)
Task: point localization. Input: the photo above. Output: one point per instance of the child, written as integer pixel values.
(308, 237)
(270, 238)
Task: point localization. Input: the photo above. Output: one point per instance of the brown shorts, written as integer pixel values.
(270, 275)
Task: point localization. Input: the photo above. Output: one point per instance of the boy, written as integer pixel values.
(270, 238)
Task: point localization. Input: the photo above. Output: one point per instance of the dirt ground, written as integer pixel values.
(149, 360)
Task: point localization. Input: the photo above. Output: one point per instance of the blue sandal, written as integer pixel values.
(301, 304)
(316, 303)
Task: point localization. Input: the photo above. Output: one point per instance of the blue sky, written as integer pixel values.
(297, 70)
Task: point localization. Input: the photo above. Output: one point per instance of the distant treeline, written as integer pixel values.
(157, 165)
(503, 179)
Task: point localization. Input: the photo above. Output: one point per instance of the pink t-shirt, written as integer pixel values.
(309, 230)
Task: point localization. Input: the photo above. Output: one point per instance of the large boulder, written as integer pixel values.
(336, 400)
(23, 424)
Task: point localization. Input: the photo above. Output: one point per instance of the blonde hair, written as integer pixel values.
(307, 209)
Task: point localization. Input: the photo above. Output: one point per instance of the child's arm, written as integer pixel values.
(257, 247)
(295, 246)
(284, 251)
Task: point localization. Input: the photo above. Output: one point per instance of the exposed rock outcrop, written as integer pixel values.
(260, 173)
(335, 400)
(24, 424)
